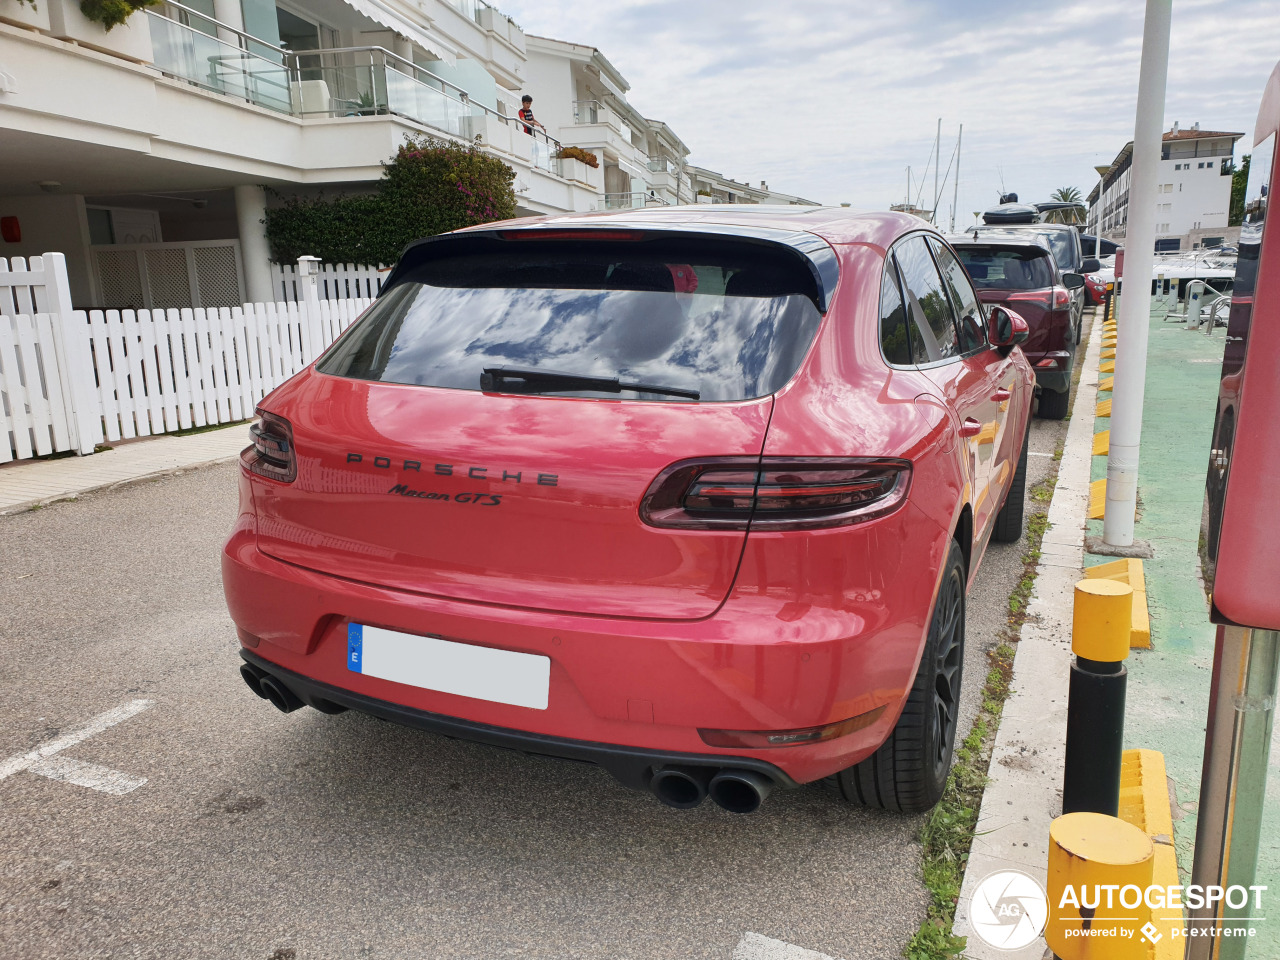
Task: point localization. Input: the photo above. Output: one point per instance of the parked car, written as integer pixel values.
(695, 495)
(1095, 288)
(1064, 243)
(1093, 247)
(1018, 271)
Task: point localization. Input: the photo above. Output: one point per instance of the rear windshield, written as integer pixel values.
(727, 319)
(1014, 268)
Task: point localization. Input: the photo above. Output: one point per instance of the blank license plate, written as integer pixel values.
(499, 676)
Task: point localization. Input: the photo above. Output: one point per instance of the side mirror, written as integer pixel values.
(1090, 265)
(1005, 328)
(1073, 281)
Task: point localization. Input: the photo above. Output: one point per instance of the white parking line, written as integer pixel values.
(76, 771)
(753, 946)
(91, 775)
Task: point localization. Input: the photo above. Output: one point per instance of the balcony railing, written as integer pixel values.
(587, 111)
(343, 82)
(631, 201)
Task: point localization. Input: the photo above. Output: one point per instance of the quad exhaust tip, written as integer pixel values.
(740, 791)
(680, 787)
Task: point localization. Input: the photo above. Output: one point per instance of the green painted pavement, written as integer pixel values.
(1168, 697)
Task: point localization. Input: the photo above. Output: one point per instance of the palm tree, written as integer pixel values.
(1066, 214)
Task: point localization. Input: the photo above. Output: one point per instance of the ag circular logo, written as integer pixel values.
(1008, 910)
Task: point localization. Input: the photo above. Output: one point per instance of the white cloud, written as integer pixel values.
(832, 100)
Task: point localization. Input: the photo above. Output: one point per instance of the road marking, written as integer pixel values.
(1033, 453)
(91, 775)
(75, 771)
(753, 946)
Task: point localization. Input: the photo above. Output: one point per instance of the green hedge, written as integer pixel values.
(430, 186)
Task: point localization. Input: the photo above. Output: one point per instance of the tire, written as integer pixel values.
(1053, 406)
(1008, 525)
(909, 771)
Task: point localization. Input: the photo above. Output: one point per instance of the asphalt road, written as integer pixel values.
(266, 836)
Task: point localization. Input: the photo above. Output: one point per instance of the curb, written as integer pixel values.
(1144, 802)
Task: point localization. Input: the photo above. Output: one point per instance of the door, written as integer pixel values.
(992, 379)
(940, 354)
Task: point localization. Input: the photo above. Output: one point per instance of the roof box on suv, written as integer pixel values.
(1011, 213)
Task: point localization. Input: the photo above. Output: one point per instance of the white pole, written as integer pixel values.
(1139, 257)
(955, 196)
(937, 162)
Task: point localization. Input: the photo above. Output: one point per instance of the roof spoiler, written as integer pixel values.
(816, 254)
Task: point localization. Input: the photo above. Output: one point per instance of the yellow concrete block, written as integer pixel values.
(1108, 339)
(1088, 851)
(988, 433)
(1097, 499)
(1100, 619)
(1104, 409)
(1144, 802)
(1128, 571)
(1107, 366)
(1106, 383)
(1109, 354)
(1101, 443)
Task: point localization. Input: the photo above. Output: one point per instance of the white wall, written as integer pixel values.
(1197, 195)
(53, 223)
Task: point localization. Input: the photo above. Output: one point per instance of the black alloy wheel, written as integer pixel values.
(909, 771)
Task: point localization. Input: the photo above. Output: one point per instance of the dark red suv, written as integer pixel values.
(694, 494)
(1019, 272)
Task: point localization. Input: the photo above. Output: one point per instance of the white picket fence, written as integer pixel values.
(71, 379)
(334, 281)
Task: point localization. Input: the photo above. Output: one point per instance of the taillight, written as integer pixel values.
(730, 493)
(271, 455)
(755, 739)
(1061, 298)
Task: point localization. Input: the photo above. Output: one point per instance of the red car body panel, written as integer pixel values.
(652, 633)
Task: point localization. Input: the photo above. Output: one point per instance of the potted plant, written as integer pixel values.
(25, 13)
(113, 26)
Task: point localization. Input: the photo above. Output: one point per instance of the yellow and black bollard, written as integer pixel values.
(1100, 629)
(1099, 870)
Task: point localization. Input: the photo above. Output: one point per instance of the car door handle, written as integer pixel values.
(1001, 394)
(970, 428)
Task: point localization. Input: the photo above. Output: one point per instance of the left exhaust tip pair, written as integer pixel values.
(278, 693)
(738, 791)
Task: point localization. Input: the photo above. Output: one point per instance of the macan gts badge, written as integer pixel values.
(707, 493)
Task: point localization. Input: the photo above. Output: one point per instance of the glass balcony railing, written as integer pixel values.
(631, 201)
(212, 64)
(587, 111)
(345, 82)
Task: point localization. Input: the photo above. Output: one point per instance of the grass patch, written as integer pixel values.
(948, 833)
(206, 429)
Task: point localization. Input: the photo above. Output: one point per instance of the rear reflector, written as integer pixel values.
(755, 739)
(272, 454)
(731, 493)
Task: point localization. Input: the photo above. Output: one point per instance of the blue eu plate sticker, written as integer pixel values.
(355, 639)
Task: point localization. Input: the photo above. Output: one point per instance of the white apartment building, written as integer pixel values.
(582, 99)
(1193, 192)
(712, 187)
(142, 152)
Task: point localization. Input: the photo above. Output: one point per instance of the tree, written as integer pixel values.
(430, 186)
(1066, 214)
(1239, 183)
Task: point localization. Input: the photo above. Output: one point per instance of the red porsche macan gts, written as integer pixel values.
(694, 494)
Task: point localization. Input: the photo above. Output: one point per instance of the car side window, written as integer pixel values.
(934, 329)
(895, 342)
(973, 336)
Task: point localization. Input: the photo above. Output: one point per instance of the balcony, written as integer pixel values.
(344, 82)
(631, 201)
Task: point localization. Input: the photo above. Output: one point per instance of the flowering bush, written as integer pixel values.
(112, 13)
(430, 186)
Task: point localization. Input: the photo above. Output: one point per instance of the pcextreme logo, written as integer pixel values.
(1008, 910)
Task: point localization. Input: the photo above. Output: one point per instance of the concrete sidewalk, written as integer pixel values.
(32, 483)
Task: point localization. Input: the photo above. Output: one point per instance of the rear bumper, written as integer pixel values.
(632, 766)
(844, 638)
(1055, 379)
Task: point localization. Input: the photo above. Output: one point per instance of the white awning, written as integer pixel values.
(420, 33)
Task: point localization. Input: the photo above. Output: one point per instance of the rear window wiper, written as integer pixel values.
(524, 380)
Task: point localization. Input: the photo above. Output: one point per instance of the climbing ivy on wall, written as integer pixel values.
(430, 186)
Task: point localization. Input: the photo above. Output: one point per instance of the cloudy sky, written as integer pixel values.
(833, 100)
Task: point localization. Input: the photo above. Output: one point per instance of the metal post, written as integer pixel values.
(937, 162)
(955, 192)
(1237, 745)
(1101, 624)
(1131, 342)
